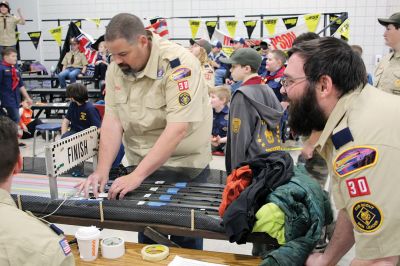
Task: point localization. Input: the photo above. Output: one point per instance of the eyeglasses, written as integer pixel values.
(287, 82)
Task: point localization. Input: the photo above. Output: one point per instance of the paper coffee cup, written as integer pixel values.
(88, 242)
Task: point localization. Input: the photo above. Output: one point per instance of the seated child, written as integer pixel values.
(274, 71)
(220, 97)
(101, 65)
(26, 122)
(81, 113)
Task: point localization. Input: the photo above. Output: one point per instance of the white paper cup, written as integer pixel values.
(88, 242)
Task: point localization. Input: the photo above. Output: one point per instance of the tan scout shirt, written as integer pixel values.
(365, 171)
(79, 60)
(7, 30)
(387, 74)
(169, 89)
(25, 240)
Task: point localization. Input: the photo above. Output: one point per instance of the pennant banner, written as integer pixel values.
(336, 22)
(194, 27)
(344, 30)
(211, 25)
(57, 33)
(17, 35)
(35, 37)
(159, 27)
(312, 21)
(290, 22)
(284, 41)
(250, 26)
(231, 26)
(78, 23)
(270, 24)
(97, 21)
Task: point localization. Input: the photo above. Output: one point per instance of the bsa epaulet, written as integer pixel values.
(341, 138)
(175, 63)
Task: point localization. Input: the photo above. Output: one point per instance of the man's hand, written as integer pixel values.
(316, 259)
(123, 185)
(95, 181)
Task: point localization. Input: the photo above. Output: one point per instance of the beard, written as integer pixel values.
(127, 70)
(305, 114)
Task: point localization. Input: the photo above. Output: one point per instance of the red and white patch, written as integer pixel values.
(183, 85)
(358, 187)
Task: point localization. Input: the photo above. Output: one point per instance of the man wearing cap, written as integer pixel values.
(264, 49)
(255, 112)
(238, 43)
(156, 103)
(24, 240)
(219, 67)
(8, 23)
(387, 73)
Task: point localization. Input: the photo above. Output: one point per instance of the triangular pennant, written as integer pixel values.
(270, 24)
(78, 23)
(344, 30)
(35, 37)
(231, 26)
(17, 35)
(250, 26)
(290, 22)
(211, 25)
(194, 27)
(57, 33)
(312, 21)
(97, 21)
(336, 22)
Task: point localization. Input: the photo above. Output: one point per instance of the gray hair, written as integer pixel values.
(125, 26)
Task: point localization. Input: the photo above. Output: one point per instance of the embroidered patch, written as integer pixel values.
(397, 83)
(180, 73)
(183, 85)
(225, 129)
(355, 159)
(117, 88)
(207, 76)
(65, 246)
(236, 125)
(367, 216)
(160, 72)
(357, 187)
(226, 117)
(184, 98)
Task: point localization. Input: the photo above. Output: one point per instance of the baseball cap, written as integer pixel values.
(393, 19)
(202, 43)
(238, 39)
(244, 57)
(5, 3)
(217, 44)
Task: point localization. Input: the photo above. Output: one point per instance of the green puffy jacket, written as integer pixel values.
(307, 210)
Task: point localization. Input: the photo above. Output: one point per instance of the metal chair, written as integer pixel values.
(46, 127)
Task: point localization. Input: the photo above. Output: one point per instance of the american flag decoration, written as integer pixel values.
(65, 246)
(159, 27)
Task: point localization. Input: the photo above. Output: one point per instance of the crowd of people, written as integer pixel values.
(168, 105)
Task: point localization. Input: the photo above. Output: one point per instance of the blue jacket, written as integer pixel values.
(8, 96)
(220, 122)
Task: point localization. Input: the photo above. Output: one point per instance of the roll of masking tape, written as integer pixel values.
(112, 247)
(155, 252)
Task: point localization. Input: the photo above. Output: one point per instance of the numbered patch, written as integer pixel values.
(180, 73)
(355, 159)
(184, 98)
(367, 217)
(358, 187)
(183, 85)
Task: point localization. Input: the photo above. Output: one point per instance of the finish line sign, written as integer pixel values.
(66, 153)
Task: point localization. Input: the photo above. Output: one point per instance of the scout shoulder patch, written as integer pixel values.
(180, 73)
(367, 217)
(184, 98)
(358, 187)
(175, 63)
(183, 85)
(355, 159)
(236, 124)
(65, 246)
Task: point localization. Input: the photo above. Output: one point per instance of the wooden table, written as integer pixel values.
(133, 257)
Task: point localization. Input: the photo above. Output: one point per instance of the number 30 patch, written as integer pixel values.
(357, 187)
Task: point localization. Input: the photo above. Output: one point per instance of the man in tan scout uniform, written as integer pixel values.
(326, 84)
(156, 101)
(8, 23)
(24, 240)
(387, 74)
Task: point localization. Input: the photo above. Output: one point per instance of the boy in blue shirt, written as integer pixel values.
(81, 114)
(11, 86)
(220, 97)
